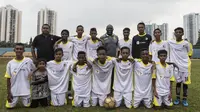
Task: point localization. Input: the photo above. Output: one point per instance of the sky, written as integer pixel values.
(100, 13)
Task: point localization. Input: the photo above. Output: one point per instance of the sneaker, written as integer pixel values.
(177, 101)
(185, 103)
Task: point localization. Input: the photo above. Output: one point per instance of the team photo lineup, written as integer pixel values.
(101, 71)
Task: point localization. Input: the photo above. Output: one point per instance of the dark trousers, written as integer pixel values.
(43, 102)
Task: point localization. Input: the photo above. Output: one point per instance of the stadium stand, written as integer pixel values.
(8, 52)
(196, 54)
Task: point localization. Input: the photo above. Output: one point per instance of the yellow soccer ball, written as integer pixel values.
(109, 103)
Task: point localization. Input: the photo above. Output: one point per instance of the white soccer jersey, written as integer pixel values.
(154, 47)
(79, 45)
(123, 43)
(123, 77)
(163, 77)
(18, 72)
(81, 81)
(58, 76)
(179, 52)
(92, 48)
(143, 79)
(101, 77)
(67, 50)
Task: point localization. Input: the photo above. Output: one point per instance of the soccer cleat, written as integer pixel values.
(177, 101)
(185, 103)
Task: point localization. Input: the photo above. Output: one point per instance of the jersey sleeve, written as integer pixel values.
(8, 72)
(32, 66)
(154, 72)
(167, 49)
(172, 78)
(150, 49)
(190, 53)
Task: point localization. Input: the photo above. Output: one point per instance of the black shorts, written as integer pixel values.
(35, 103)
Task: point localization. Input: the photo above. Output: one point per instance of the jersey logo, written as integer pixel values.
(97, 71)
(137, 42)
(14, 72)
(146, 38)
(163, 46)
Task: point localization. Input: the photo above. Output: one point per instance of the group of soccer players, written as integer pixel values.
(85, 60)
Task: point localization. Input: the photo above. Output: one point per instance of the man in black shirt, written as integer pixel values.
(44, 44)
(140, 41)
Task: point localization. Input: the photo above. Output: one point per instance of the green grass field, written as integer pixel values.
(193, 98)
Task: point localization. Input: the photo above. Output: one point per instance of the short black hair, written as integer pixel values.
(93, 29)
(19, 44)
(40, 60)
(79, 26)
(65, 30)
(81, 52)
(58, 49)
(156, 30)
(125, 48)
(126, 29)
(179, 28)
(162, 52)
(101, 48)
(143, 49)
(141, 23)
(46, 25)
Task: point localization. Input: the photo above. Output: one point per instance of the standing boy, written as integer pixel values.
(92, 44)
(157, 45)
(126, 41)
(66, 45)
(79, 42)
(179, 54)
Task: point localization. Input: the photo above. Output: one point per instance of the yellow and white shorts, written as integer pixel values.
(58, 99)
(78, 101)
(26, 100)
(162, 99)
(126, 96)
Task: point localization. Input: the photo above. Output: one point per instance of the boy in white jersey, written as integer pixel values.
(143, 80)
(58, 77)
(66, 45)
(162, 81)
(126, 41)
(17, 72)
(92, 44)
(179, 54)
(157, 45)
(123, 79)
(79, 41)
(101, 77)
(81, 73)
